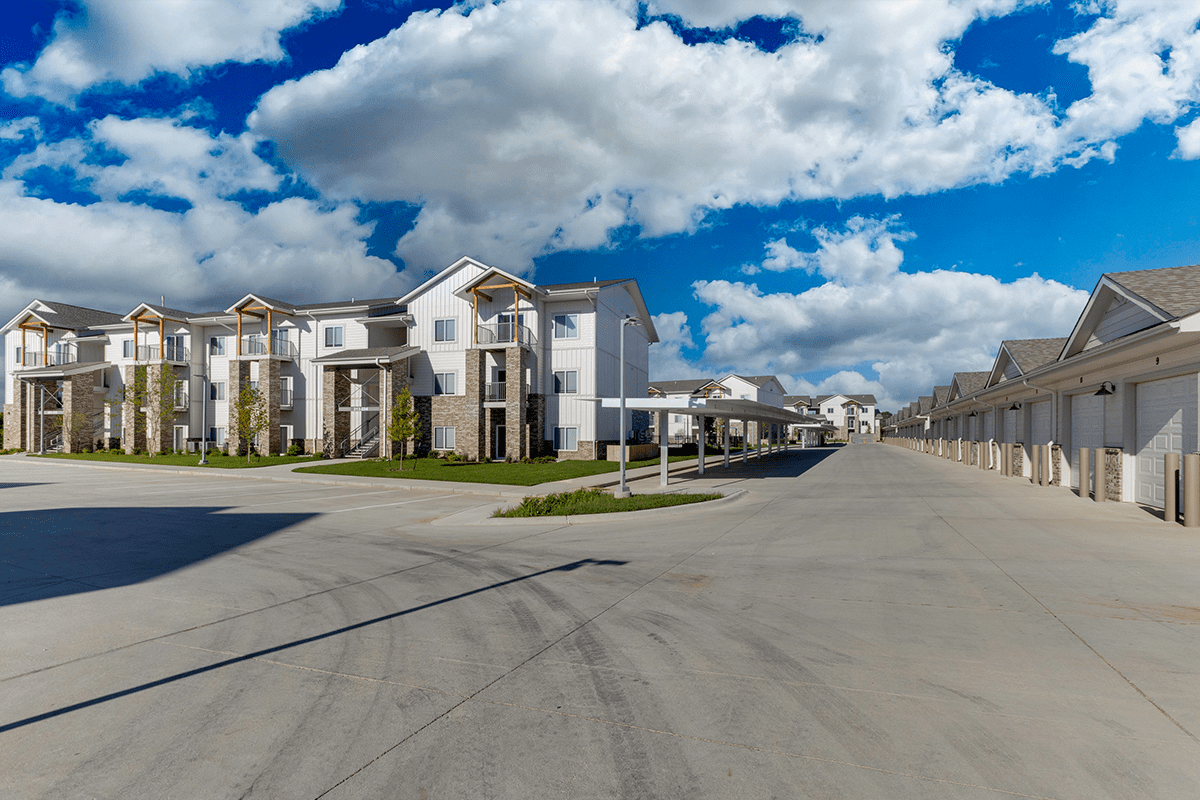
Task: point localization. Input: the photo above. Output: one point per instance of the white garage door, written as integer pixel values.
(989, 426)
(1166, 423)
(1010, 427)
(1087, 429)
(1041, 422)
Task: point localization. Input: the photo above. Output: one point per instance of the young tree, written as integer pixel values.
(248, 415)
(404, 421)
(165, 388)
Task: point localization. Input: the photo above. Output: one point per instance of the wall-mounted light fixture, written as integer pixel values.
(1015, 407)
(972, 414)
(1106, 388)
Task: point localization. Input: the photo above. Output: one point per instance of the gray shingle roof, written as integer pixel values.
(338, 303)
(924, 404)
(364, 353)
(1175, 290)
(970, 382)
(172, 313)
(76, 317)
(1033, 353)
(583, 285)
(941, 395)
(691, 385)
(794, 399)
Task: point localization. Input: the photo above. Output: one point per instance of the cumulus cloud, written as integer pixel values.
(914, 329)
(202, 251)
(129, 40)
(1189, 140)
(667, 361)
(526, 127)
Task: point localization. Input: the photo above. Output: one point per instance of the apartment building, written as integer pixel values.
(498, 367)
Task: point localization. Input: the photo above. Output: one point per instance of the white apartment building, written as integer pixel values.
(849, 413)
(764, 389)
(498, 367)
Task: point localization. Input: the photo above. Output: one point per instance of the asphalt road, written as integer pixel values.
(867, 622)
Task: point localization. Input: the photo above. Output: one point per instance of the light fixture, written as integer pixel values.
(1015, 407)
(1103, 391)
(973, 414)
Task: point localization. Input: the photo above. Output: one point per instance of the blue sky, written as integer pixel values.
(856, 196)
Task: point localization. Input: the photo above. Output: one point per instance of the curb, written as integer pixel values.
(582, 519)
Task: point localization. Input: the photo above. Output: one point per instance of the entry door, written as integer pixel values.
(180, 440)
(285, 437)
(1087, 429)
(498, 442)
(1166, 423)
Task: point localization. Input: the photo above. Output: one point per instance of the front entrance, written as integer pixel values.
(179, 442)
(499, 450)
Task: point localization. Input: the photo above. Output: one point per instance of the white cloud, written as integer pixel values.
(129, 40)
(17, 128)
(843, 382)
(914, 329)
(114, 253)
(526, 127)
(667, 362)
(1189, 140)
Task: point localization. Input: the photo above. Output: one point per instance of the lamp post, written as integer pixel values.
(622, 491)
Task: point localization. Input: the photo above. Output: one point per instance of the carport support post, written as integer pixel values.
(1085, 472)
(728, 420)
(1191, 490)
(702, 448)
(758, 439)
(1047, 464)
(662, 448)
(1101, 490)
(1035, 466)
(745, 440)
(1171, 487)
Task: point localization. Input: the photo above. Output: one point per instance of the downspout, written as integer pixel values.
(311, 396)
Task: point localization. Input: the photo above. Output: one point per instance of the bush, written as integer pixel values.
(295, 449)
(454, 458)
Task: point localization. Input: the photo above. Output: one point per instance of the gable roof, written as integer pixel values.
(965, 384)
(796, 399)
(924, 404)
(1029, 354)
(64, 316)
(691, 386)
(941, 394)
(560, 287)
(1175, 290)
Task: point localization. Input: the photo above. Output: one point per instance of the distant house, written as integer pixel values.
(848, 413)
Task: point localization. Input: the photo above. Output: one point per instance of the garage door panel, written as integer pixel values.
(1041, 422)
(1087, 428)
(1166, 423)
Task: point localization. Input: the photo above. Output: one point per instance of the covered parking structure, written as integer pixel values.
(778, 421)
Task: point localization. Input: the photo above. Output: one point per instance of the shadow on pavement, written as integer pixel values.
(52, 553)
(574, 565)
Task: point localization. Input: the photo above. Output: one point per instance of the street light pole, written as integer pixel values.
(622, 490)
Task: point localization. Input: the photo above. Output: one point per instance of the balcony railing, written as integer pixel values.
(256, 345)
(153, 352)
(57, 356)
(494, 392)
(505, 333)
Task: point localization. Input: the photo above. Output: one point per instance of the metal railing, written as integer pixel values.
(256, 345)
(153, 352)
(505, 333)
(494, 391)
(57, 355)
(365, 438)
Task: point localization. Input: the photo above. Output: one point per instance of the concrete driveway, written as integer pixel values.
(866, 622)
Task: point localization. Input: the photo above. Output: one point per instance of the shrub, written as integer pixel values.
(295, 449)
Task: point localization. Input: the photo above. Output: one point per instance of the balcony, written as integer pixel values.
(494, 392)
(173, 353)
(57, 356)
(257, 345)
(504, 334)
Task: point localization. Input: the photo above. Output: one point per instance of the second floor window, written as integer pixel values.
(566, 326)
(216, 390)
(444, 330)
(443, 383)
(173, 349)
(333, 336)
(216, 345)
(127, 348)
(566, 382)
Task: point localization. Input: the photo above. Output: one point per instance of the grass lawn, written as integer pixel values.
(435, 469)
(594, 501)
(189, 460)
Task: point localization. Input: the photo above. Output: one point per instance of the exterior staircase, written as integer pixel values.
(367, 447)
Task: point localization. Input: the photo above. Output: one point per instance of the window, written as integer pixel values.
(18, 361)
(217, 436)
(333, 336)
(566, 438)
(173, 348)
(829, 411)
(443, 383)
(679, 417)
(127, 348)
(443, 438)
(216, 390)
(280, 341)
(444, 330)
(216, 345)
(566, 326)
(565, 382)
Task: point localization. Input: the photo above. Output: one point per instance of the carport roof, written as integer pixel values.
(727, 408)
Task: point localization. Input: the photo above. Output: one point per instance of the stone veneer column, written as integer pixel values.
(239, 376)
(473, 438)
(335, 423)
(79, 411)
(158, 430)
(269, 386)
(133, 435)
(514, 404)
(15, 415)
(536, 415)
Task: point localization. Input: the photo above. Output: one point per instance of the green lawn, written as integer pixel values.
(191, 460)
(435, 469)
(594, 501)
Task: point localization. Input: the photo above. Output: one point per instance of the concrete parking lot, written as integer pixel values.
(865, 622)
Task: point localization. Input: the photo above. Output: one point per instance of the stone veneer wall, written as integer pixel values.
(476, 441)
(239, 376)
(516, 437)
(133, 435)
(446, 411)
(535, 427)
(1056, 465)
(1018, 459)
(79, 412)
(1112, 476)
(14, 417)
(270, 387)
